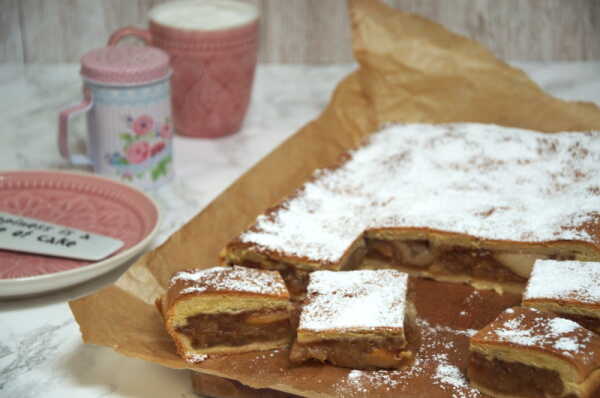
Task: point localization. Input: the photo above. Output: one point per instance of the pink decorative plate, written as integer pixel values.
(80, 201)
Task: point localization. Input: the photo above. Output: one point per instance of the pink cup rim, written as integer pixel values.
(194, 34)
(175, 40)
(203, 32)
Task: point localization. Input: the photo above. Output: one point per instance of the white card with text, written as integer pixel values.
(30, 235)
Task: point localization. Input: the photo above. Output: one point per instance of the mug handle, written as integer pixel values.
(129, 31)
(63, 130)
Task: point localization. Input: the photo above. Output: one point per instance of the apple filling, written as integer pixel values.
(295, 279)
(480, 263)
(421, 255)
(209, 330)
(514, 379)
(364, 353)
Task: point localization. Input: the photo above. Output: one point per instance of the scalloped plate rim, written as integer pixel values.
(52, 281)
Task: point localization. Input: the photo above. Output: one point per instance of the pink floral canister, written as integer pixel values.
(127, 100)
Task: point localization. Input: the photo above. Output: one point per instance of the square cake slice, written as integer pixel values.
(226, 310)
(568, 288)
(529, 353)
(354, 319)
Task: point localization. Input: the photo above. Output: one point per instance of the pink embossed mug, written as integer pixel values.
(213, 48)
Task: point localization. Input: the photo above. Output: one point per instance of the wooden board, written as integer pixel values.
(311, 31)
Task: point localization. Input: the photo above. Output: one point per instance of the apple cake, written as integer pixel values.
(226, 310)
(472, 203)
(568, 288)
(354, 319)
(529, 353)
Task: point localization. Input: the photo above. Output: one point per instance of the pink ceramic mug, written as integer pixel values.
(213, 48)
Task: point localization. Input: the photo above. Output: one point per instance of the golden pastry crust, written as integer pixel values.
(227, 281)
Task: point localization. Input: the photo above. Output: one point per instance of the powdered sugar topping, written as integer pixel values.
(235, 279)
(565, 280)
(528, 327)
(484, 180)
(449, 376)
(355, 300)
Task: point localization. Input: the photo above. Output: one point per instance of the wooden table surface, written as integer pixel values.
(310, 31)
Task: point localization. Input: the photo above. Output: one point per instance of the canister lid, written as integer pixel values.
(125, 64)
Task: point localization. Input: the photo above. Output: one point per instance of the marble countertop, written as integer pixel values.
(41, 352)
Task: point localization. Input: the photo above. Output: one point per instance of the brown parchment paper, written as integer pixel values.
(410, 70)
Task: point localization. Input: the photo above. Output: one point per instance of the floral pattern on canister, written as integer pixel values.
(146, 149)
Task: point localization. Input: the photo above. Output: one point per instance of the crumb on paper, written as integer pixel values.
(450, 377)
(195, 358)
